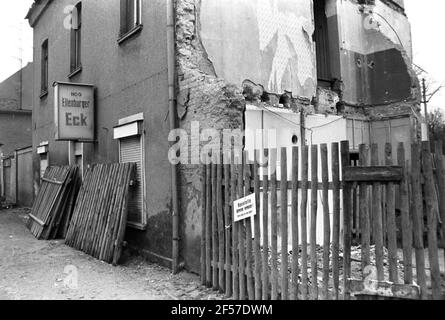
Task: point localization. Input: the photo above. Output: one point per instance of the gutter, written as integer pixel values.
(171, 63)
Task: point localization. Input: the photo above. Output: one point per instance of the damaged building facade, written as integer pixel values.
(317, 71)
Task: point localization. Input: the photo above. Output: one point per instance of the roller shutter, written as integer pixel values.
(131, 150)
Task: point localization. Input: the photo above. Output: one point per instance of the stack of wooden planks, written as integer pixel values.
(54, 205)
(100, 215)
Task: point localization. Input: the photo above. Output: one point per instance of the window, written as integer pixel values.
(130, 16)
(130, 135)
(44, 66)
(321, 38)
(76, 37)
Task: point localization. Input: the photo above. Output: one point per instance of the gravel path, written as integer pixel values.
(35, 270)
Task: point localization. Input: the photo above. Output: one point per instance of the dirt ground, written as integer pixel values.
(44, 270)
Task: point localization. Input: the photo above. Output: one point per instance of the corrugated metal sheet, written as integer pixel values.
(131, 151)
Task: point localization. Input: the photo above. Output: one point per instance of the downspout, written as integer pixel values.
(171, 65)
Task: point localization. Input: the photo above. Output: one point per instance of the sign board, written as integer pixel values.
(74, 111)
(244, 208)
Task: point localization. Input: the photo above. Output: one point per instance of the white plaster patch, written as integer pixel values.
(287, 26)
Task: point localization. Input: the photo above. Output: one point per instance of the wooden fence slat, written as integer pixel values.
(235, 259)
(391, 222)
(407, 238)
(440, 174)
(347, 228)
(203, 225)
(313, 234)
(248, 226)
(364, 212)
(295, 233)
(378, 218)
(274, 222)
(265, 291)
(227, 224)
(417, 216)
(241, 236)
(257, 228)
(215, 243)
(326, 220)
(336, 218)
(303, 213)
(284, 228)
(221, 226)
(432, 210)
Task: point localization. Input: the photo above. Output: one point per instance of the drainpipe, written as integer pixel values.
(171, 54)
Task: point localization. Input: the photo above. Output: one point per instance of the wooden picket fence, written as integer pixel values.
(275, 255)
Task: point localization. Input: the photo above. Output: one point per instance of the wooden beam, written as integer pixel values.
(373, 174)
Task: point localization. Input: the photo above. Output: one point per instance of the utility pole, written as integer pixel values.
(425, 108)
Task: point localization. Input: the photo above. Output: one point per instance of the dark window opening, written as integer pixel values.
(76, 37)
(321, 38)
(130, 15)
(44, 68)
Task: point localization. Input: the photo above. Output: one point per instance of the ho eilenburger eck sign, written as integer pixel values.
(74, 111)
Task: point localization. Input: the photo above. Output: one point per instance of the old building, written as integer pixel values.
(16, 137)
(316, 71)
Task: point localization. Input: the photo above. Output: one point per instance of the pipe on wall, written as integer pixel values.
(171, 63)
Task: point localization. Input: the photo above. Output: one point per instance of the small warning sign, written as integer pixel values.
(244, 208)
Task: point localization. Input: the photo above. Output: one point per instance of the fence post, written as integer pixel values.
(378, 217)
(257, 227)
(248, 226)
(364, 211)
(274, 222)
(203, 225)
(221, 225)
(214, 224)
(241, 236)
(347, 228)
(407, 238)
(432, 211)
(336, 218)
(295, 233)
(391, 221)
(417, 216)
(235, 261)
(303, 213)
(265, 228)
(227, 223)
(326, 219)
(314, 208)
(284, 228)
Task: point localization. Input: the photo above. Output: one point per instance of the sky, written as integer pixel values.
(426, 17)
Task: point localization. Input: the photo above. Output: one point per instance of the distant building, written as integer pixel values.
(16, 111)
(330, 69)
(16, 185)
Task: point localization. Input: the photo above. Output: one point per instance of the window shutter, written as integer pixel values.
(131, 151)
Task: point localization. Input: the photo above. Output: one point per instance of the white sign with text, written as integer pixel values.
(244, 208)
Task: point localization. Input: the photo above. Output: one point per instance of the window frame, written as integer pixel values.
(130, 27)
(76, 40)
(44, 70)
